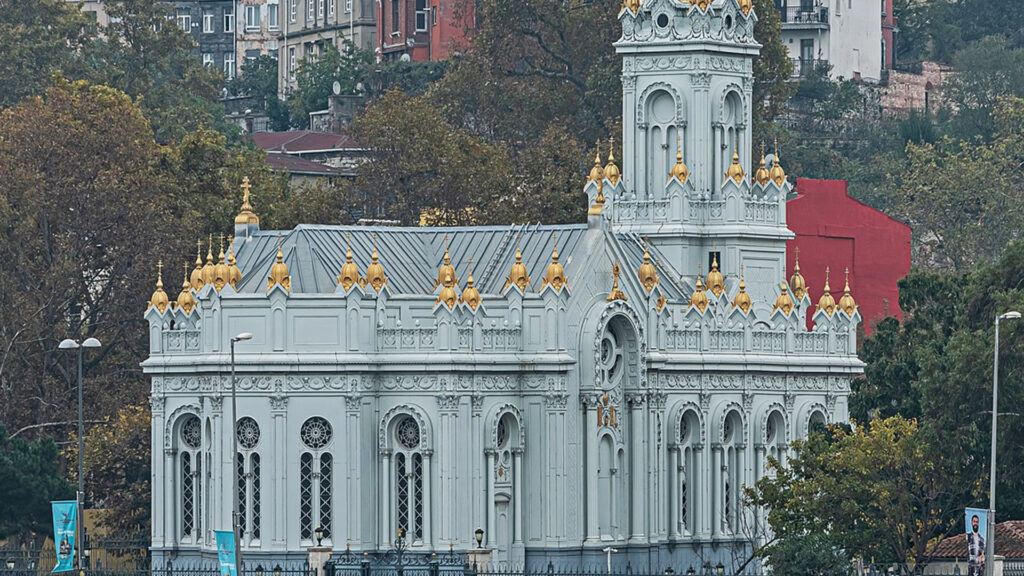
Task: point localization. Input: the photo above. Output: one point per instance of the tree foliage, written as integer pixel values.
(29, 480)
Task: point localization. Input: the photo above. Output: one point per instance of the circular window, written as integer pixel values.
(662, 20)
(408, 433)
(248, 432)
(191, 432)
(315, 432)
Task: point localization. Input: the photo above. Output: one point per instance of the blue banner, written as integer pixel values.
(976, 526)
(226, 552)
(65, 523)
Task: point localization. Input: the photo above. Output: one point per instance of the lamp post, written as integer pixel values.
(69, 344)
(236, 522)
(479, 535)
(990, 534)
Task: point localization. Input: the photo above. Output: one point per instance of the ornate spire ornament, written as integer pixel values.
(716, 282)
(186, 301)
(742, 298)
(222, 273)
(846, 302)
(735, 171)
(631, 5)
(796, 281)
(197, 273)
(597, 177)
(279, 271)
(611, 171)
(518, 274)
(246, 214)
(679, 170)
(699, 298)
(447, 295)
(375, 272)
(646, 273)
(827, 303)
(235, 273)
(615, 293)
(210, 268)
(471, 296)
(746, 6)
(555, 274)
(784, 302)
(349, 270)
(446, 268)
(762, 177)
(159, 298)
(777, 174)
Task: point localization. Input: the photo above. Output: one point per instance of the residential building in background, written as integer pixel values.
(423, 30)
(258, 25)
(307, 26)
(94, 10)
(847, 34)
(889, 24)
(211, 23)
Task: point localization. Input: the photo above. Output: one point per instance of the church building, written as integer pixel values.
(567, 389)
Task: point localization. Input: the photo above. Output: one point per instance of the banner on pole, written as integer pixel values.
(976, 523)
(226, 553)
(65, 524)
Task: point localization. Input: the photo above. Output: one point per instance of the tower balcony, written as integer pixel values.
(804, 17)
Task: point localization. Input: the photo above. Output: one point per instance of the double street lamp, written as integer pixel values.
(236, 521)
(69, 344)
(990, 536)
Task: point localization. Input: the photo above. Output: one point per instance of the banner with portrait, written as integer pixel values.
(65, 523)
(975, 524)
(226, 553)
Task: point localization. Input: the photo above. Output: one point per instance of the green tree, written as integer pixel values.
(29, 480)
(349, 67)
(772, 67)
(258, 80)
(986, 72)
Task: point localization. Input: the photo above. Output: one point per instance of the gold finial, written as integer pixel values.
(631, 5)
(846, 301)
(827, 303)
(611, 171)
(703, 4)
(375, 272)
(679, 170)
(279, 271)
(209, 269)
(777, 174)
(221, 272)
(518, 274)
(735, 170)
(796, 281)
(615, 293)
(197, 274)
(784, 302)
(716, 282)
(471, 296)
(555, 274)
(699, 298)
(446, 268)
(349, 270)
(647, 274)
(246, 215)
(186, 301)
(746, 6)
(159, 298)
(742, 299)
(447, 295)
(235, 273)
(597, 177)
(761, 177)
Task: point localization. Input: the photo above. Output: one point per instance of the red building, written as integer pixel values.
(888, 35)
(423, 30)
(833, 229)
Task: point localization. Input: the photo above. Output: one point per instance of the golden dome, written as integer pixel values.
(186, 301)
(349, 270)
(197, 273)
(471, 296)
(615, 293)
(375, 272)
(631, 5)
(762, 176)
(679, 170)
(517, 274)
(796, 281)
(597, 173)
(746, 6)
(735, 170)
(209, 269)
(221, 272)
(555, 274)
(447, 294)
(611, 171)
(647, 274)
(777, 174)
(246, 215)
(279, 271)
(446, 268)
(827, 303)
(784, 302)
(742, 298)
(159, 298)
(716, 283)
(702, 4)
(699, 298)
(846, 301)
(235, 275)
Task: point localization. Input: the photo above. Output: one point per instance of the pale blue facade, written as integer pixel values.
(559, 421)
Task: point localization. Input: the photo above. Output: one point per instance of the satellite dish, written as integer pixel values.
(405, 58)
(336, 87)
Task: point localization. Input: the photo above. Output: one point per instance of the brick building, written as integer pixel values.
(423, 30)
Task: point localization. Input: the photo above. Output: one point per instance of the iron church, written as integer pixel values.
(571, 388)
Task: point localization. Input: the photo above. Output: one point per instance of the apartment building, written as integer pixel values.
(423, 30)
(258, 27)
(307, 26)
(847, 34)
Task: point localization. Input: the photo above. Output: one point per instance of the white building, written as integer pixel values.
(845, 33)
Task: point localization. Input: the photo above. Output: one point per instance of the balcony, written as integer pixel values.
(805, 17)
(803, 67)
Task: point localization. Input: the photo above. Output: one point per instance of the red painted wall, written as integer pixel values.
(889, 22)
(446, 32)
(832, 229)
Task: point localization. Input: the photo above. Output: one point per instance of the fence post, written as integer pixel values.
(551, 567)
(364, 565)
(434, 569)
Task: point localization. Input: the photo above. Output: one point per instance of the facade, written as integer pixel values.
(423, 30)
(94, 10)
(889, 29)
(211, 23)
(909, 91)
(847, 34)
(566, 388)
(307, 26)
(838, 233)
(258, 25)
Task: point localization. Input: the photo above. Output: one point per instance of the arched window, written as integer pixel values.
(190, 466)
(248, 464)
(688, 473)
(663, 137)
(408, 478)
(816, 422)
(732, 130)
(733, 447)
(315, 478)
(775, 435)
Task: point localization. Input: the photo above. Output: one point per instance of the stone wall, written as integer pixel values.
(908, 91)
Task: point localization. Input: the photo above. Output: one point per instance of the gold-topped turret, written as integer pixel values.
(762, 176)
(746, 6)
(246, 214)
(597, 177)
(784, 302)
(446, 268)
(221, 272)
(611, 171)
(518, 274)
(699, 298)
(210, 268)
(447, 295)
(796, 281)
(716, 282)
(647, 273)
(279, 271)
(631, 5)
(471, 296)
(679, 170)
(159, 298)
(375, 272)
(615, 293)
(555, 274)
(846, 302)
(827, 303)
(735, 171)
(197, 273)
(742, 299)
(186, 301)
(349, 270)
(235, 273)
(777, 174)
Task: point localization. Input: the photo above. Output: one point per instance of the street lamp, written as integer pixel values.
(10, 563)
(720, 569)
(69, 344)
(479, 534)
(990, 536)
(319, 533)
(236, 522)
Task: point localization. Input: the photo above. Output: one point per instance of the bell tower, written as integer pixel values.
(689, 179)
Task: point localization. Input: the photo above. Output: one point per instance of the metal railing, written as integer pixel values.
(805, 14)
(803, 67)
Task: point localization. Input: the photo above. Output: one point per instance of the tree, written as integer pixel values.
(349, 67)
(986, 72)
(258, 80)
(772, 67)
(30, 480)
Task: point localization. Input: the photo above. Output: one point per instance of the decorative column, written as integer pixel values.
(673, 492)
(353, 488)
(639, 470)
(218, 468)
(717, 137)
(279, 467)
(717, 507)
(448, 494)
(590, 470)
(517, 495)
(385, 500)
(160, 478)
(491, 525)
(427, 497)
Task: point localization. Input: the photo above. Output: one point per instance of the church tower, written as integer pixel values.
(690, 181)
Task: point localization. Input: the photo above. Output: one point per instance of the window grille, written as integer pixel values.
(325, 493)
(306, 496)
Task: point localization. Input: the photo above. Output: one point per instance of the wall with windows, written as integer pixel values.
(304, 26)
(258, 26)
(848, 34)
(211, 23)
